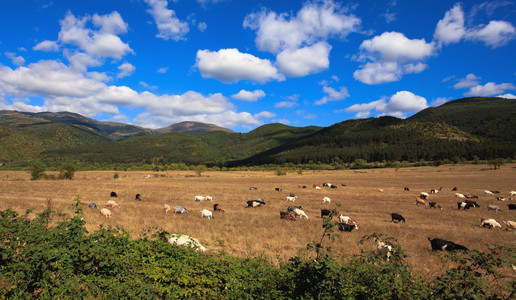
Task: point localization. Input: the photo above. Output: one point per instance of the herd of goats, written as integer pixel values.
(345, 223)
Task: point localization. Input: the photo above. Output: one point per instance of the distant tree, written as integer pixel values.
(67, 171)
(199, 169)
(496, 163)
(37, 170)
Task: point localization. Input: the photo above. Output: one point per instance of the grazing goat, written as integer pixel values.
(347, 227)
(105, 212)
(501, 198)
(460, 195)
(184, 240)
(434, 205)
(424, 195)
(384, 249)
(291, 199)
(286, 216)
(166, 208)
(93, 205)
(510, 224)
(318, 188)
(420, 201)
(325, 212)
(253, 188)
(255, 203)
(199, 198)
(217, 207)
(278, 189)
(472, 203)
(489, 223)
(291, 208)
(138, 197)
(209, 198)
(435, 191)
(326, 199)
(512, 193)
(298, 212)
(406, 189)
(442, 245)
(206, 214)
(346, 220)
(469, 196)
(180, 210)
(488, 192)
(112, 203)
(493, 207)
(397, 217)
(316, 185)
(464, 205)
(454, 188)
(511, 206)
(113, 194)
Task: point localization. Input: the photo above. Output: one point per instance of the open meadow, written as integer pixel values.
(368, 196)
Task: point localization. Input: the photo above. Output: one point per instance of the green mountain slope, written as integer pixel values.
(486, 117)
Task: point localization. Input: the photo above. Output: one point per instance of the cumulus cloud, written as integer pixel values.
(249, 96)
(169, 26)
(398, 105)
(103, 42)
(47, 46)
(469, 81)
(230, 65)
(391, 55)
(452, 29)
(507, 96)
(333, 95)
(285, 104)
(489, 89)
(126, 69)
(303, 61)
(300, 40)
(265, 115)
(65, 88)
(162, 70)
(17, 60)
(316, 21)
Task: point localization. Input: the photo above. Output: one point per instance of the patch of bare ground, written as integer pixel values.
(247, 232)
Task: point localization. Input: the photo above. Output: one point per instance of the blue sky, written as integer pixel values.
(241, 64)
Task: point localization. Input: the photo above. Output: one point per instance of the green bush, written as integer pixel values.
(67, 171)
(37, 170)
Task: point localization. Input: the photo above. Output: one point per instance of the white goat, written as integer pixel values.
(206, 214)
(182, 239)
(105, 212)
(291, 199)
(424, 195)
(510, 224)
(384, 249)
(210, 198)
(493, 207)
(112, 203)
(488, 192)
(489, 222)
(326, 199)
(166, 208)
(460, 195)
(512, 193)
(346, 220)
(298, 212)
(199, 198)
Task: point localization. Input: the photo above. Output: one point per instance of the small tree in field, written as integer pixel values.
(37, 170)
(67, 171)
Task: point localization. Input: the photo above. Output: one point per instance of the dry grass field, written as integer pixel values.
(259, 231)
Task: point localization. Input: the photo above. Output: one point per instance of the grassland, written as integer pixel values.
(249, 232)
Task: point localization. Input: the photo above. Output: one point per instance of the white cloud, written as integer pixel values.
(126, 69)
(397, 105)
(17, 60)
(162, 70)
(230, 65)
(98, 43)
(489, 89)
(304, 61)
(333, 95)
(147, 86)
(285, 104)
(248, 95)
(81, 61)
(169, 26)
(202, 26)
(507, 96)
(469, 81)
(64, 88)
(390, 56)
(451, 29)
(47, 46)
(316, 21)
(265, 115)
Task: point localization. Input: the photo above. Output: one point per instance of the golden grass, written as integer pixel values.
(257, 231)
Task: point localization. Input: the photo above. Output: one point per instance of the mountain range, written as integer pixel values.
(481, 127)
